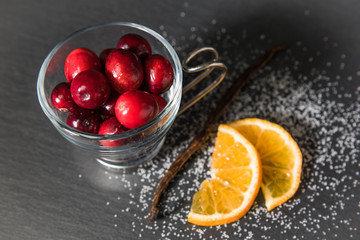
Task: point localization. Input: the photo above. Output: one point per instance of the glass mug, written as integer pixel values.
(143, 143)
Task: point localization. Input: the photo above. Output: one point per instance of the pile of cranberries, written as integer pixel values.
(116, 91)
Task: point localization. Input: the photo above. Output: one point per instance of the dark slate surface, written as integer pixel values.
(51, 190)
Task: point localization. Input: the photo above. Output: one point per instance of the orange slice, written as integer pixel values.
(234, 184)
(281, 159)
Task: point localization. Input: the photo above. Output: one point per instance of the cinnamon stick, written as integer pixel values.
(210, 125)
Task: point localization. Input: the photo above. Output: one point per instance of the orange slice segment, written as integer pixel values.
(281, 159)
(235, 182)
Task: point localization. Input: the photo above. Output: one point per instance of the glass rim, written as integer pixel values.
(173, 102)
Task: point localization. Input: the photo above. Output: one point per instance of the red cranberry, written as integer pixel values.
(110, 127)
(61, 97)
(104, 54)
(124, 70)
(135, 108)
(90, 89)
(159, 74)
(160, 101)
(135, 43)
(107, 110)
(84, 120)
(79, 60)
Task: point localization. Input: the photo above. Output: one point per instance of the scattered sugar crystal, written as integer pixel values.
(342, 66)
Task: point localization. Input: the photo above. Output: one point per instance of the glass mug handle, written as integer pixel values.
(207, 68)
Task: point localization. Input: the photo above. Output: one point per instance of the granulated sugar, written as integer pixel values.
(314, 106)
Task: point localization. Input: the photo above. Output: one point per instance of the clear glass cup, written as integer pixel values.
(138, 145)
